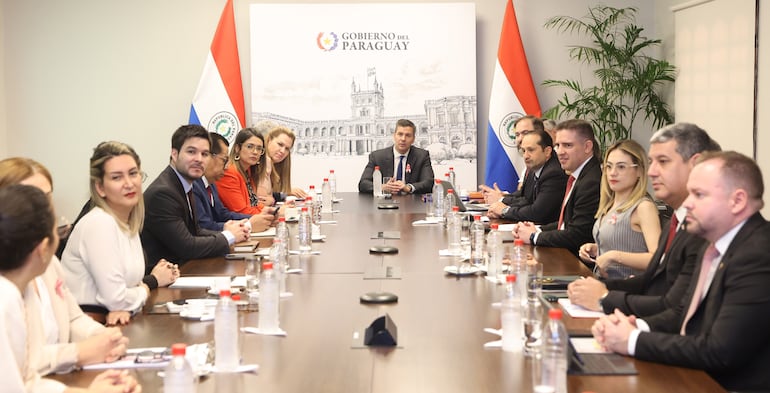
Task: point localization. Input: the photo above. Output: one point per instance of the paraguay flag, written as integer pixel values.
(218, 102)
(513, 95)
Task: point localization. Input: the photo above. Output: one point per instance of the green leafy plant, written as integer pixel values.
(629, 81)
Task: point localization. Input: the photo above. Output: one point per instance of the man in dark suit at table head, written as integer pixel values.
(578, 153)
(211, 213)
(674, 150)
(723, 324)
(539, 199)
(170, 228)
(407, 165)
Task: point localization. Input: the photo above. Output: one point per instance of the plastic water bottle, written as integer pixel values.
(519, 267)
(454, 231)
(377, 181)
(495, 249)
(282, 232)
(438, 200)
(179, 377)
(333, 184)
(326, 197)
(311, 191)
(280, 262)
(452, 177)
(510, 317)
(226, 333)
(305, 228)
(553, 366)
(269, 296)
(477, 241)
(449, 201)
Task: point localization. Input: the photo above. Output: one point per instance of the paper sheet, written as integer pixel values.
(576, 311)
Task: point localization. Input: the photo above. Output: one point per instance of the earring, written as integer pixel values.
(237, 157)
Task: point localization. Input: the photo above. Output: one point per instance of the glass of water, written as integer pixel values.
(253, 264)
(532, 310)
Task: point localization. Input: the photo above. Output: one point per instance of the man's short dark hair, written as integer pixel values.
(215, 138)
(537, 124)
(584, 130)
(405, 123)
(186, 132)
(545, 139)
(739, 171)
(690, 139)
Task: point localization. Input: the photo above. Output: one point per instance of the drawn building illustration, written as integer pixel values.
(447, 128)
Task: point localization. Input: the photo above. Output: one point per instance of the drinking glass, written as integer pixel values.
(386, 180)
(251, 272)
(534, 279)
(532, 315)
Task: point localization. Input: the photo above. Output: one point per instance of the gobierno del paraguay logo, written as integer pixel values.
(506, 132)
(362, 41)
(327, 41)
(224, 123)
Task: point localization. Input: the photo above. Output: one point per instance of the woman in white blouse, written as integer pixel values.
(27, 243)
(103, 260)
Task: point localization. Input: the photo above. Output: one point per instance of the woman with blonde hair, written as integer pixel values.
(104, 259)
(28, 240)
(71, 337)
(627, 225)
(280, 141)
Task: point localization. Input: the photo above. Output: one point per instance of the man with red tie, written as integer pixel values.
(578, 154)
(674, 150)
(721, 326)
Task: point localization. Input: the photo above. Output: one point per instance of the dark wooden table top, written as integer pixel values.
(440, 320)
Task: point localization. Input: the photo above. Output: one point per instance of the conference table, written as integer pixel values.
(440, 319)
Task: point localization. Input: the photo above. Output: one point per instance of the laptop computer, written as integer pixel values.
(464, 207)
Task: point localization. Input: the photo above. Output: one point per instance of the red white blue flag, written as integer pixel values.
(513, 96)
(218, 101)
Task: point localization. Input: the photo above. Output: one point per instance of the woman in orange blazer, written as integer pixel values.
(238, 187)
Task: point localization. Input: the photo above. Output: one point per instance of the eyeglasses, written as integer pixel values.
(254, 148)
(222, 157)
(621, 166)
(522, 133)
(152, 357)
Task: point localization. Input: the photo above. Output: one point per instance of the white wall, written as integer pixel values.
(82, 71)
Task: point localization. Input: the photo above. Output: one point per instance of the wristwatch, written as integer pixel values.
(505, 211)
(411, 188)
(601, 300)
(532, 238)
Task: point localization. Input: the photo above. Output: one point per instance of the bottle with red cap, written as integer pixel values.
(477, 241)
(377, 181)
(553, 366)
(326, 196)
(438, 200)
(305, 229)
(495, 251)
(178, 375)
(226, 333)
(269, 296)
(333, 184)
(510, 317)
(454, 231)
(519, 267)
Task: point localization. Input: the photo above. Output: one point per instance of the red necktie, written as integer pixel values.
(708, 260)
(671, 232)
(570, 181)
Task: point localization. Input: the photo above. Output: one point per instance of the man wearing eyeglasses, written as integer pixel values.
(170, 229)
(524, 125)
(212, 214)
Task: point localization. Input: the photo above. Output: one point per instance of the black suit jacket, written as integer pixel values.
(663, 284)
(579, 212)
(419, 172)
(169, 232)
(728, 335)
(539, 200)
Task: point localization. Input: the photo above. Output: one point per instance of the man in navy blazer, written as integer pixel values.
(170, 229)
(578, 153)
(211, 213)
(542, 192)
(721, 326)
(407, 165)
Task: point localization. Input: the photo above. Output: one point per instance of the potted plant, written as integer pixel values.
(628, 79)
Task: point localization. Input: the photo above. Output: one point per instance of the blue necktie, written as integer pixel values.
(400, 168)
